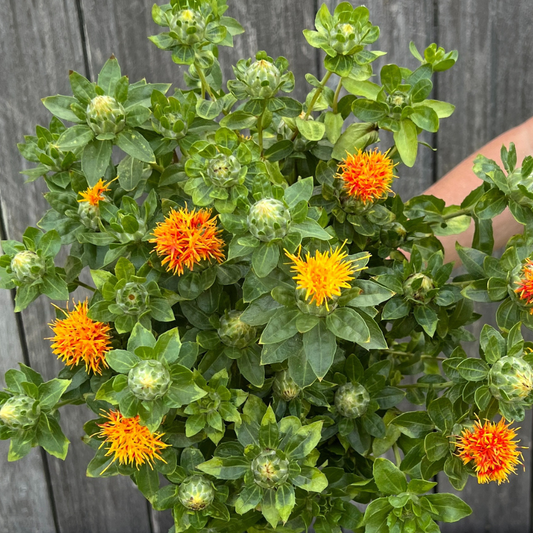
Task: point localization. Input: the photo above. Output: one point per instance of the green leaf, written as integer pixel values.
(225, 467)
(55, 287)
(362, 88)
(440, 411)
(320, 346)
(356, 137)
(51, 437)
(406, 140)
(82, 88)
(369, 111)
(436, 446)
(95, 160)
(50, 243)
(421, 90)
(75, 138)
(427, 318)
(414, 424)
(280, 327)
(346, 324)
(304, 441)
(311, 228)
(445, 507)
(134, 144)
(265, 259)
(473, 369)
(51, 391)
(140, 336)
(300, 191)
(60, 107)
(443, 109)
(333, 123)
(109, 76)
(311, 129)
(239, 120)
(147, 480)
(168, 346)
(391, 77)
(131, 172)
(249, 364)
(389, 478)
(248, 499)
(209, 109)
(122, 361)
(285, 501)
(340, 64)
(310, 479)
(425, 118)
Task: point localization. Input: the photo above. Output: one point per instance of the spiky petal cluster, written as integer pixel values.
(129, 442)
(79, 339)
(525, 284)
(367, 176)
(187, 237)
(94, 195)
(492, 448)
(323, 275)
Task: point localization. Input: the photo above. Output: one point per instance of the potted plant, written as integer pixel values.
(258, 295)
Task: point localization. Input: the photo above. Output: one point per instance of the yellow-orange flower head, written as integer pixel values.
(187, 237)
(525, 284)
(129, 442)
(493, 450)
(79, 339)
(94, 195)
(323, 275)
(367, 176)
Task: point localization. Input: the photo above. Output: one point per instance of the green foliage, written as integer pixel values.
(274, 374)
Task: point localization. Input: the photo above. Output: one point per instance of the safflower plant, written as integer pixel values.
(259, 295)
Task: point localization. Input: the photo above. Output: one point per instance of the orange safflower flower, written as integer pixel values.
(77, 338)
(187, 237)
(367, 176)
(129, 442)
(525, 285)
(492, 448)
(322, 276)
(94, 195)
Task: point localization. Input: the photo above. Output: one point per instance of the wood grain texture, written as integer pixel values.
(23, 484)
(38, 47)
(402, 21)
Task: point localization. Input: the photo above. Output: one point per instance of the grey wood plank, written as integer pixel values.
(401, 21)
(25, 501)
(38, 46)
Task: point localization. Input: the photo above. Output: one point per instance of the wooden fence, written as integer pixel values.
(40, 40)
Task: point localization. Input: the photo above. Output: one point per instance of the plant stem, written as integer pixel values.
(317, 94)
(260, 132)
(157, 167)
(336, 97)
(205, 85)
(84, 285)
(427, 385)
(422, 356)
(397, 455)
(461, 212)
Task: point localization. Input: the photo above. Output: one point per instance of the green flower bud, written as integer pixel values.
(269, 469)
(149, 380)
(235, 333)
(393, 234)
(310, 308)
(262, 79)
(189, 26)
(89, 215)
(342, 38)
(105, 115)
(398, 99)
(510, 378)
(196, 493)
(417, 287)
(171, 125)
(133, 298)
(352, 400)
(27, 266)
(269, 219)
(20, 412)
(224, 170)
(285, 388)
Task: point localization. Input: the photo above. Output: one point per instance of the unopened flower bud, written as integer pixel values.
(269, 219)
(511, 378)
(20, 412)
(285, 387)
(417, 287)
(352, 400)
(133, 298)
(105, 115)
(189, 25)
(269, 470)
(27, 266)
(224, 170)
(234, 332)
(196, 493)
(149, 380)
(262, 79)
